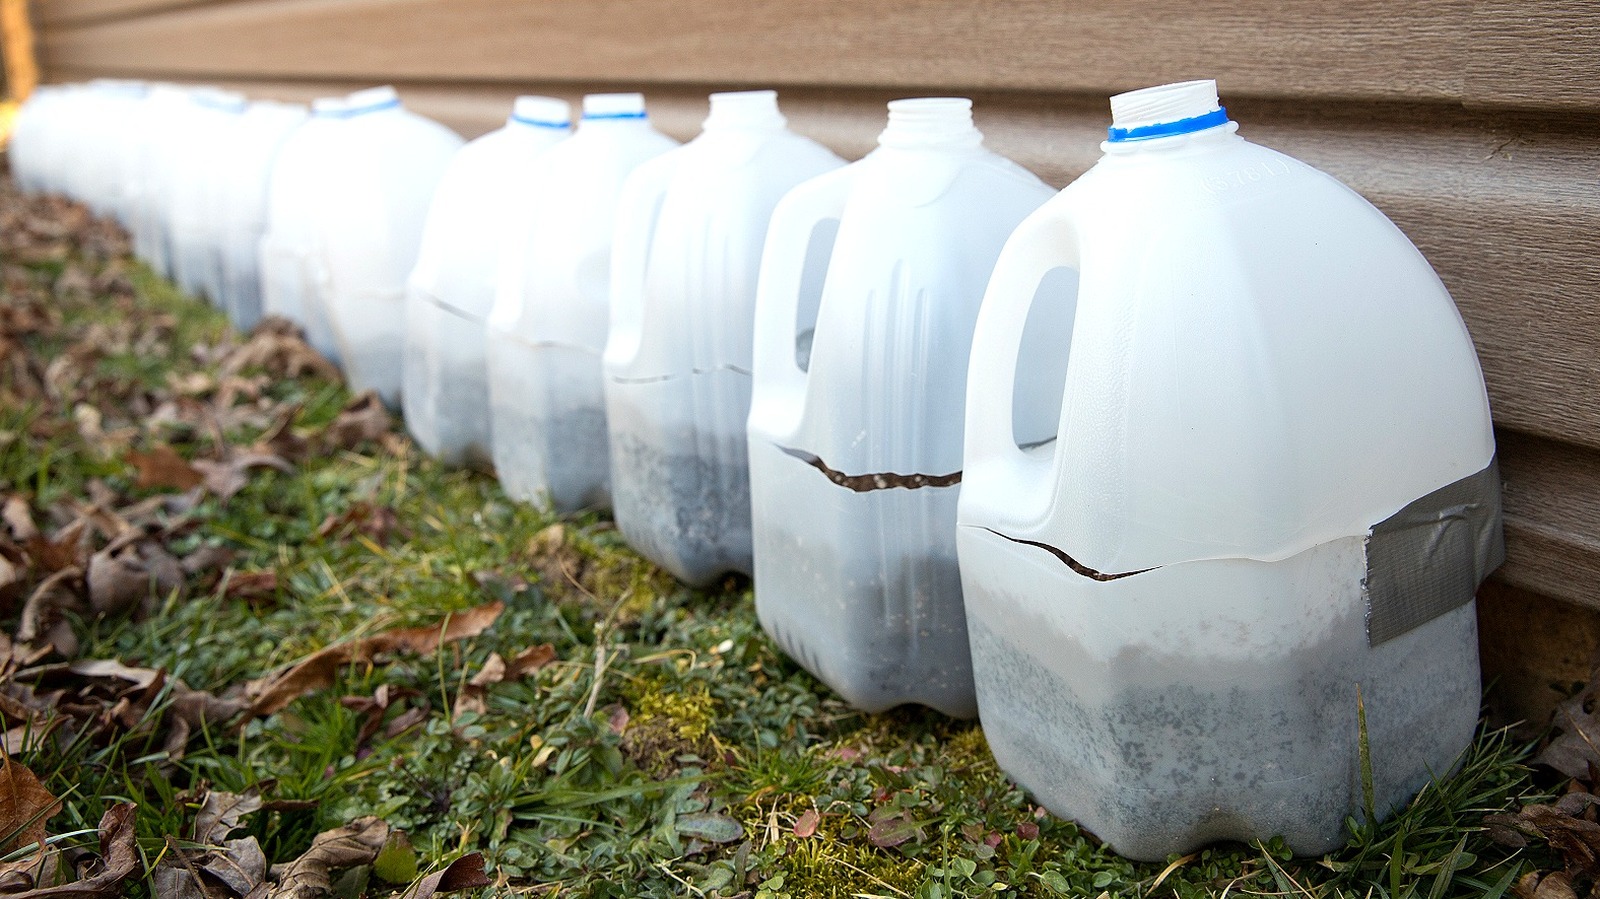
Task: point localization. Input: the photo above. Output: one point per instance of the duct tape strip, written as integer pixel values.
(1430, 557)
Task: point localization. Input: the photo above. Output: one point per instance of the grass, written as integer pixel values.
(667, 714)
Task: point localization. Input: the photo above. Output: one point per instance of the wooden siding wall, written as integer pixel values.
(1474, 125)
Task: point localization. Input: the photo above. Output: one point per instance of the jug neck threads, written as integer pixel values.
(1165, 111)
(745, 110)
(930, 122)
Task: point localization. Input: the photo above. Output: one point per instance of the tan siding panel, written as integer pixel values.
(1367, 49)
(1552, 497)
(57, 13)
(1542, 53)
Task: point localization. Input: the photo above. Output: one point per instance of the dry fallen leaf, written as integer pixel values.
(18, 519)
(465, 873)
(25, 806)
(222, 813)
(375, 521)
(225, 479)
(473, 697)
(118, 857)
(122, 576)
(251, 586)
(278, 347)
(318, 671)
(363, 420)
(311, 875)
(163, 469)
(42, 619)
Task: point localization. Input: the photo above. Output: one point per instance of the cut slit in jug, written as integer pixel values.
(445, 388)
(690, 229)
(547, 328)
(1270, 494)
(861, 348)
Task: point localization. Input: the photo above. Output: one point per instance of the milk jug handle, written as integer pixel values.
(1043, 242)
(637, 212)
(783, 263)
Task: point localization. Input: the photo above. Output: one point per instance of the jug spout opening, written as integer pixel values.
(930, 122)
(745, 110)
(1164, 111)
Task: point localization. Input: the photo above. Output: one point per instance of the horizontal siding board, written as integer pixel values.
(1533, 54)
(1420, 50)
(1552, 501)
(58, 13)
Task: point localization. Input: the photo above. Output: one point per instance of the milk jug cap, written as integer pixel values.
(541, 112)
(613, 106)
(372, 99)
(745, 109)
(1167, 110)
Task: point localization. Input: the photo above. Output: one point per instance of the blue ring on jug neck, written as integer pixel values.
(363, 110)
(1212, 119)
(597, 116)
(539, 123)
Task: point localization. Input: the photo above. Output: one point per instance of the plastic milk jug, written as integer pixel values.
(192, 159)
(1267, 493)
(381, 169)
(547, 328)
(289, 280)
(166, 112)
(243, 176)
(870, 284)
(690, 230)
(445, 389)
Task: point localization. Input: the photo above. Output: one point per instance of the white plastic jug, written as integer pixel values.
(287, 254)
(445, 391)
(193, 157)
(244, 171)
(548, 326)
(28, 152)
(861, 347)
(690, 230)
(381, 166)
(161, 121)
(1267, 491)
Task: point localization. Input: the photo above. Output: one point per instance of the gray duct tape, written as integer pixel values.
(1430, 557)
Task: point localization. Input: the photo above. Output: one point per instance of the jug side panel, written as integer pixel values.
(857, 587)
(681, 494)
(1232, 349)
(1164, 720)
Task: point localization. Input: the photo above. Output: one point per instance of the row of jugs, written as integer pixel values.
(1182, 479)
(1210, 457)
(185, 170)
